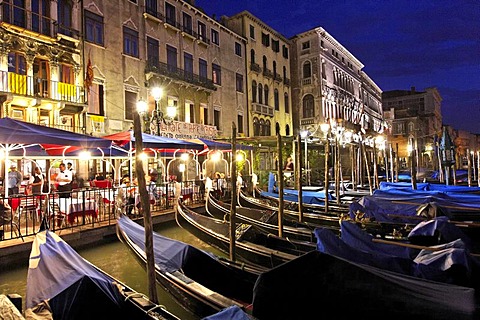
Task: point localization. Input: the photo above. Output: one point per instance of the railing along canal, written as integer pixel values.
(88, 206)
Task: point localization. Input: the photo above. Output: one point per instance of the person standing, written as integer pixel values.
(289, 165)
(74, 175)
(64, 180)
(14, 180)
(36, 181)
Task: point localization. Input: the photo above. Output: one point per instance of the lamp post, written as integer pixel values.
(157, 94)
(304, 135)
(145, 202)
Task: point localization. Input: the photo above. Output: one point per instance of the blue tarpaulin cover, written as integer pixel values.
(230, 313)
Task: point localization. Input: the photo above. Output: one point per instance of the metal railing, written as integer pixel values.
(40, 88)
(88, 206)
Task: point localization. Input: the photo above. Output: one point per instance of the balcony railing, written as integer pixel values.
(263, 109)
(286, 81)
(267, 73)
(277, 77)
(179, 74)
(255, 67)
(37, 87)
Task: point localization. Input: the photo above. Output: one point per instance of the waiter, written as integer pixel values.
(64, 180)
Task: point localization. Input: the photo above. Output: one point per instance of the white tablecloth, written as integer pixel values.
(76, 206)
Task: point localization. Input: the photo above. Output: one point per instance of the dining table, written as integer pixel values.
(77, 207)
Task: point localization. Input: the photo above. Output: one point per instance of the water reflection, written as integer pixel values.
(114, 258)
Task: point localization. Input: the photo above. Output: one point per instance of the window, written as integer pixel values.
(265, 90)
(276, 100)
(14, 14)
(254, 91)
(64, 9)
(305, 45)
(216, 118)
(95, 100)
(260, 93)
(285, 52)
(170, 14)
(308, 106)
(265, 39)
(153, 49)
(130, 42)
(93, 28)
(17, 63)
(275, 45)
(324, 70)
(238, 49)
(239, 123)
(151, 7)
(171, 58)
(66, 74)
(216, 74)
(202, 69)
(187, 23)
(307, 70)
(41, 16)
(215, 37)
(252, 32)
(252, 56)
(188, 65)
(130, 104)
(239, 82)
(286, 102)
(202, 31)
(322, 44)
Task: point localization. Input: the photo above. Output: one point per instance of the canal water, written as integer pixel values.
(115, 258)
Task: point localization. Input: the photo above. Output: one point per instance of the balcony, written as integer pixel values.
(179, 74)
(262, 109)
(42, 88)
(286, 81)
(255, 67)
(267, 73)
(307, 121)
(277, 77)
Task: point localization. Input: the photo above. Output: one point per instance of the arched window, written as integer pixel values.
(254, 91)
(307, 69)
(287, 130)
(260, 93)
(308, 106)
(268, 128)
(264, 63)
(256, 127)
(252, 56)
(274, 68)
(265, 89)
(262, 127)
(284, 73)
(276, 99)
(286, 102)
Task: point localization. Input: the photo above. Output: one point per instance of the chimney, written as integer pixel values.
(412, 89)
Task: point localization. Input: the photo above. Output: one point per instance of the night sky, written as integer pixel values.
(402, 43)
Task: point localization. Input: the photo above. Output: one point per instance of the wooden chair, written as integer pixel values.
(56, 216)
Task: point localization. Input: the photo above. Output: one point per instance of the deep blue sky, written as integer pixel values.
(402, 43)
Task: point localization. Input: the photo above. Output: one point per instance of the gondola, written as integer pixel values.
(318, 284)
(63, 285)
(318, 218)
(201, 282)
(266, 220)
(253, 246)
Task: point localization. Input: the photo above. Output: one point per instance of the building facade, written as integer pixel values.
(135, 46)
(268, 76)
(415, 119)
(41, 63)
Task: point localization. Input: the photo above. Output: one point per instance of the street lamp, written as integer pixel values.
(157, 94)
